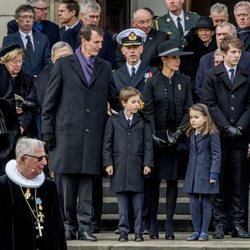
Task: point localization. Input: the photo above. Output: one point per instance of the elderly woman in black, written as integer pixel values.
(167, 99)
(21, 84)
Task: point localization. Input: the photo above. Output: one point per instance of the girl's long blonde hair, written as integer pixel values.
(209, 126)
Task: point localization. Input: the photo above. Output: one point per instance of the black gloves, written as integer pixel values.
(50, 141)
(163, 138)
(158, 142)
(232, 132)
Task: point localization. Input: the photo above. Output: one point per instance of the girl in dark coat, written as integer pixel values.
(203, 169)
(127, 157)
(167, 100)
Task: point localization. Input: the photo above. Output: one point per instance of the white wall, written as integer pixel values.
(158, 6)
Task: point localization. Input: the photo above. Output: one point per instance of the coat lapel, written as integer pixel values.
(139, 75)
(122, 119)
(221, 71)
(96, 72)
(78, 69)
(240, 77)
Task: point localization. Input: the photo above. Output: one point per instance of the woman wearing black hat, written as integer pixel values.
(167, 99)
(200, 40)
(21, 83)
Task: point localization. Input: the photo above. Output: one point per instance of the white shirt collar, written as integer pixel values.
(70, 27)
(130, 118)
(228, 68)
(174, 17)
(135, 66)
(12, 172)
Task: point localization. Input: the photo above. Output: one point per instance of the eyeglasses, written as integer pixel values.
(27, 17)
(42, 9)
(39, 158)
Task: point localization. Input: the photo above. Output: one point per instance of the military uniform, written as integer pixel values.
(166, 24)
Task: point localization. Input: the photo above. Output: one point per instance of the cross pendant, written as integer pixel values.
(40, 217)
(39, 228)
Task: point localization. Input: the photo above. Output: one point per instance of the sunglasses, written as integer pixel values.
(39, 158)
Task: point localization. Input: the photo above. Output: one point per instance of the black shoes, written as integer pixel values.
(169, 237)
(145, 231)
(219, 232)
(86, 236)
(70, 235)
(239, 232)
(94, 230)
(123, 236)
(139, 237)
(154, 236)
(203, 237)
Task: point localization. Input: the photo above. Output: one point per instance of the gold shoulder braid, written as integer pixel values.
(39, 216)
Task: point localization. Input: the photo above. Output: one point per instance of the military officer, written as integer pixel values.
(176, 22)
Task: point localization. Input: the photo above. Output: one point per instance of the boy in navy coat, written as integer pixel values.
(127, 157)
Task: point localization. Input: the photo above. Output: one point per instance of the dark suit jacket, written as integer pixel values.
(204, 158)
(123, 79)
(41, 52)
(50, 29)
(154, 38)
(229, 104)
(130, 157)
(71, 36)
(76, 112)
(207, 62)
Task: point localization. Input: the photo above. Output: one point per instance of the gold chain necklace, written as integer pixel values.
(39, 217)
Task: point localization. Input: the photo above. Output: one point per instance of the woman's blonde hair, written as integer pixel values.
(12, 55)
(209, 126)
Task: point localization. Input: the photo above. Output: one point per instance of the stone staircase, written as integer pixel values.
(182, 219)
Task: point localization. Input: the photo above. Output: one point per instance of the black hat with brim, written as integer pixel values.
(204, 22)
(167, 48)
(9, 49)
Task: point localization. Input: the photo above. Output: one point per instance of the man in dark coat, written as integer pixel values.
(30, 216)
(227, 93)
(48, 28)
(143, 20)
(73, 120)
(90, 14)
(242, 17)
(207, 61)
(34, 44)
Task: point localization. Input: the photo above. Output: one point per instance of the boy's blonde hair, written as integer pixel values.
(128, 92)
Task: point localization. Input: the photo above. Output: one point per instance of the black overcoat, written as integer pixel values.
(204, 158)
(128, 149)
(229, 104)
(167, 160)
(76, 111)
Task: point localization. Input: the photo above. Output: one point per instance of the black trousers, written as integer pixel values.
(78, 187)
(232, 183)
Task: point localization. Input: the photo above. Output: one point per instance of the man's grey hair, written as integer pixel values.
(89, 5)
(60, 45)
(33, 2)
(218, 8)
(224, 24)
(27, 146)
(241, 4)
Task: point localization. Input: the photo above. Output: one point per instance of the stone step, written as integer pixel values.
(108, 241)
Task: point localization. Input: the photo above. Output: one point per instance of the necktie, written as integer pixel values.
(132, 72)
(179, 26)
(231, 75)
(29, 49)
(129, 122)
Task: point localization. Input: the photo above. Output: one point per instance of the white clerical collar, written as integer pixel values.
(12, 172)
